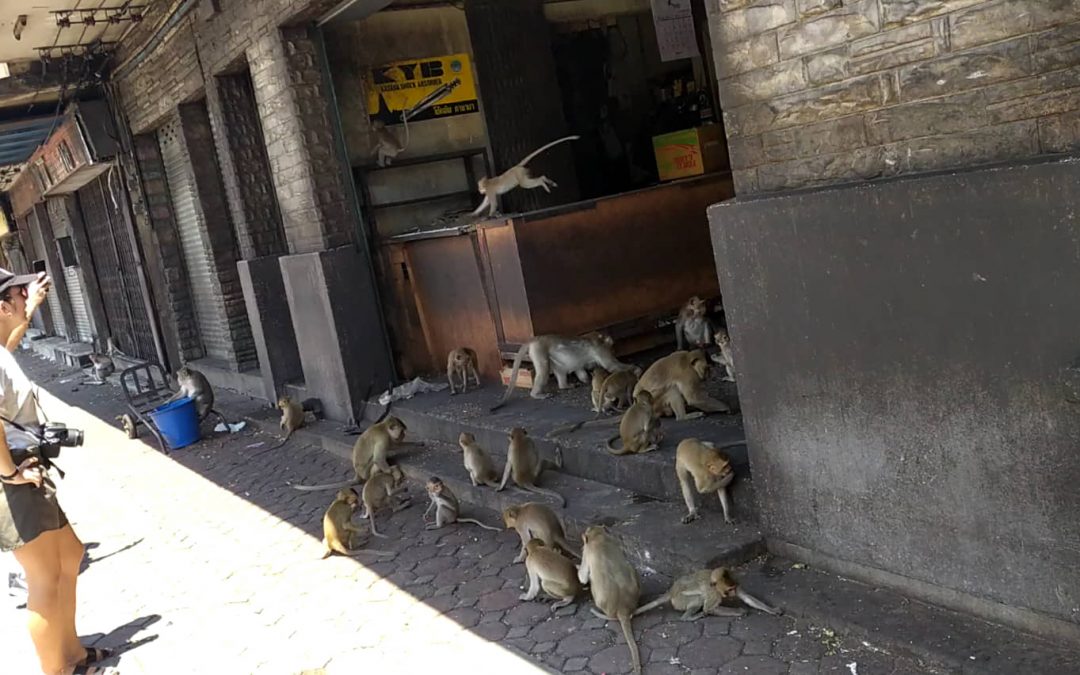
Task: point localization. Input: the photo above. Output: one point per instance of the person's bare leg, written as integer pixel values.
(40, 559)
(71, 555)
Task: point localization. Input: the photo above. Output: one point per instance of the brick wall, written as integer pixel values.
(826, 91)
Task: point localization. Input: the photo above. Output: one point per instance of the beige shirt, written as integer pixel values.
(17, 401)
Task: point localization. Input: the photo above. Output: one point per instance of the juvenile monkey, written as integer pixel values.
(533, 520)
(692, 327)
(711, 472)
(477, 463)
(677, 380)
(369, 453)
(446, 506)
(383, 490)
(639, 428)
(598, 377)
(617, 391)
(194, 385)
(551, 353)
(339, 534)
(701, 593)
(292, 418)
(524, 463)
(725, 358)
(514, 177)
(613, 581)
(462, 362)
(552, 571)
(387, 145)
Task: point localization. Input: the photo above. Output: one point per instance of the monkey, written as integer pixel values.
(677, 380)
(692, 327)
(369, 453)
(292, 418)
(617, 391)
(103, 364)
(711, 472)
(339, 532)
(194, 385)
(383, 490)
(446, 506)
(533, 520)
(598, 377)
(461, 361)
(725, 358)
(523, 462)
(639, 429)
(387, 145)
(701, 593)
(613, 582)
(551, 353)
(548, 569)
(477, 463)
(514, 177)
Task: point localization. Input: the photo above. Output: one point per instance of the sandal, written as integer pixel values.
(94, 655)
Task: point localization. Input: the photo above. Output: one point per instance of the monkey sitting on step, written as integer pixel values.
(525, 465)
(613, 581)
(639, 428)
(339, 534)
(446, 507)
(552, 571)
(701, 593)
(517, 176)
(692, 328)
(477, 463)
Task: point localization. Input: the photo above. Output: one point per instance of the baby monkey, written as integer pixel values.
(461, 362)
(446, 507)
(551, 571)
(725, 358)
(701, 593)
(339, 534)
(477, 463)
(383, 490)
(294, 416)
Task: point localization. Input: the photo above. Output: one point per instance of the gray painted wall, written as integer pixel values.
(903, 352)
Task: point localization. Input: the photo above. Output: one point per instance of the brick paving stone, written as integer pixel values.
(614, 659)
(527, 614)
(576, 663)
(585, 642)
(758, 665)
(710, 652)
(672, 635)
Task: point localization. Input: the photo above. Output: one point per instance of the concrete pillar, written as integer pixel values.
(271, 324)
(339, 331)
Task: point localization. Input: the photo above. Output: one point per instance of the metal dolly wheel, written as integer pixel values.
(146, 387)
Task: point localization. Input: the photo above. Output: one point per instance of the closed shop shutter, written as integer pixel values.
(189, 225)
(52, 298)
(83, 326)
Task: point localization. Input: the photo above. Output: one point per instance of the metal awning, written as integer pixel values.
(19, 138)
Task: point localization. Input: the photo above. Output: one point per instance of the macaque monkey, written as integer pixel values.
(551, 353)
(292, 418)
(598, 377)
(677, 380)
(103, 364)
(617, 391)
(387, 145)
(692, 328)
(370, 452)
(446, 506)
(613, 581)
(195, 386)
(639, 428)
(701, 593)
(524, 463)
(517, 176)
(725, 358)
(383, 490)
(462, 362)
(533, 520)
(552, 571)
(339, 534)
(711, 472)
(477, 463)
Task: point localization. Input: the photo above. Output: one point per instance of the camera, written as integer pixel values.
(56, 435)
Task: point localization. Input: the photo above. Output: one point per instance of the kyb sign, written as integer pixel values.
(440, 86)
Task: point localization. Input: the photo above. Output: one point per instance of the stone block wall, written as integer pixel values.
(828, 91)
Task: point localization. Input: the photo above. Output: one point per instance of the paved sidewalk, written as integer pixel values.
(205, 562)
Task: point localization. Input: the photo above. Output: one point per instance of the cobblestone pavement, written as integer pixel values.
(205, 562)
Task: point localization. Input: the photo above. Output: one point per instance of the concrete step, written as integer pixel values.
(442, 417)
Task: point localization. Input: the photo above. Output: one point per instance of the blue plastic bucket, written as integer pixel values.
(177, 422)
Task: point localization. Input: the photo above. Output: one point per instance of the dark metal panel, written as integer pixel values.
(504, 269)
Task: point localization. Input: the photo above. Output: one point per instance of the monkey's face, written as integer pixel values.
(722, 583)
(482, 186)
(510, 516)
(720, 469)
(602, 339)
(434, 487)
(348, 495)
(722, 339)
(184, 373)
(396, 428)
(695, 307)
(466, 439)
(699, 363)
(592, 533)
(517, 434)
(283, 402)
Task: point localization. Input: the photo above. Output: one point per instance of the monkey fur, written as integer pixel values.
(533, 520)
(701, 593)
(517, 176)
(461, 362)
(639, 428)
(613, 582)
(548, 569)
(692, 328)
(477, 463)
(446, 506)
(711, 472)
(677, 381)
(525, 465)
(339, 534)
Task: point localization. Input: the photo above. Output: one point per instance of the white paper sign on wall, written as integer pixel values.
(674, 21)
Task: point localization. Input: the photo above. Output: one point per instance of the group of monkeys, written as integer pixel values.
(668, 387)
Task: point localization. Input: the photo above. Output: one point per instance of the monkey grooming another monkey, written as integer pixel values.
(598, 377)
(613, 581)
(477, 463)
(701, 593)
(533, 520)
(446, 506)
(711, 472)
(639, 428)
(617, 391)
(551, 353)
(726, 357)
(552, 571)
(369, 453)
(383, 490)
(692, 327)
(461, 361)
(517, 176)
(678, 380)
(338, 531)
(524, 463)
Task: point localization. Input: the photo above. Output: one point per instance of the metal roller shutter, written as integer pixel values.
(52, 298)
(189, 225)
(84, 327)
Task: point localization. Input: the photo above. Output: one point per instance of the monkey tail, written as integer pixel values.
(614, 450)
(325, 486)
(477, 522)
(542, 148)
(513, 377)
(628, 633)
(666, 597)
(549, 493)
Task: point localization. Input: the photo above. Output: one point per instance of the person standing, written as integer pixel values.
(32, 524)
